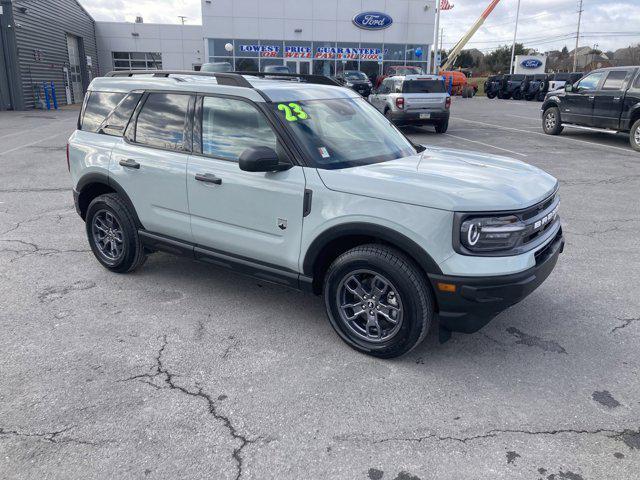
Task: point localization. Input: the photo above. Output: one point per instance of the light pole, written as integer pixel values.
(515, 34)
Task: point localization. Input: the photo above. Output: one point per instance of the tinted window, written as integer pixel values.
(119, 118)
(423, 86)
(386, 85)
(231, 126)
(99, 105)
(590, 82)
(615, 79)
(161, 122)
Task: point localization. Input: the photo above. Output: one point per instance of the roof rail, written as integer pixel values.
(225, 78)
(307, 78)
(234, 79)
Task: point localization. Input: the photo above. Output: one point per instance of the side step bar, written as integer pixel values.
(591, 129)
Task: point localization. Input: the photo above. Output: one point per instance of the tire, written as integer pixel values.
(540, 96)
(121, 256)
(551, 122)
(350, 280)
(517, 95)
(634, 136)
(442, 127)
(491, 95)
(387, 114)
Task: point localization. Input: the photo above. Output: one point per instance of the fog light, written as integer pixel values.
(446, 287)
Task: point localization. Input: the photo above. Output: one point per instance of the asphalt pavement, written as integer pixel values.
(181, 370)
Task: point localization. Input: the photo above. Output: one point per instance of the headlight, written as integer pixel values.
(349, 84)
(487, 234)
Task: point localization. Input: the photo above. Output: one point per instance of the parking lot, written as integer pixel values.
(181, 370)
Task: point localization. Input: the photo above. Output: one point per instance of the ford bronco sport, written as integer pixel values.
(414, 100)
(303, 183)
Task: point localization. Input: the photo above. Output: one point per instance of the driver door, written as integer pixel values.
(577, 106)
(246, 215)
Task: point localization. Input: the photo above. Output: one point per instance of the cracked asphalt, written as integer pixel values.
(181, 370)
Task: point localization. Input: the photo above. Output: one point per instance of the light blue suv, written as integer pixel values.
(302, 182)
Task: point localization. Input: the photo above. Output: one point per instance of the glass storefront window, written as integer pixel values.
(247, 48)
(324, 67)
(394, 51)
(371, 60)
(295, 49)
(216, 47)
(417, 53)
(247, 65)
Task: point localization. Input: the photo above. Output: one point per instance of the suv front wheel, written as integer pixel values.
(378, 301)
(112, 234)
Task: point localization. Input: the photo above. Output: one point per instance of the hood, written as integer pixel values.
(446, 179)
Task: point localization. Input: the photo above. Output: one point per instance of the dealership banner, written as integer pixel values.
(261, 50)
(348, 53)
(293, 51)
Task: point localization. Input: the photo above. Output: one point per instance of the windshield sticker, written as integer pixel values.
(324, 152)
(293, 112)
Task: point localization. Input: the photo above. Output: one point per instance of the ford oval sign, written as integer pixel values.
(531, 63)
(372, 20)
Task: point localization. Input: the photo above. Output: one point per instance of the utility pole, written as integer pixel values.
(575, 52)
(182, 18)
(515, 34)
(436, 65)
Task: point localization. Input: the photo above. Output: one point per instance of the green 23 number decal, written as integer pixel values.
(293, 112)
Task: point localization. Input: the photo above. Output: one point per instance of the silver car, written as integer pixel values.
(414, 100)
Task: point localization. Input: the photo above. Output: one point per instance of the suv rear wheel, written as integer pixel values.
(113, 235)
(378, 301)
(551, 123)
(634, 136)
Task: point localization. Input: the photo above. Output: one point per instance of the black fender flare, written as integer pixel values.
(634, 115)
(93, 178)
(415, 251)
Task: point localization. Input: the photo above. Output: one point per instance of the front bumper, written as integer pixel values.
(413, 118)
(477, 300)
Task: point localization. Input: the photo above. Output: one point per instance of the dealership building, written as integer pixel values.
(319, 36)
(58, 41)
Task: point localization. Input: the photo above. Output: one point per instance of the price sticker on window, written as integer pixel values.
(292, 112)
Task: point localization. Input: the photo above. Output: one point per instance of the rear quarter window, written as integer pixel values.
(99, 105)
(116, 123)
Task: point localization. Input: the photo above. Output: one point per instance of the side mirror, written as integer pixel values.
(568, 87)
(261, 159)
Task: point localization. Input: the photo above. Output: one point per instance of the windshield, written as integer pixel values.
(355, 76)
(407, 71)
(423, 86)
(345, 132)
(276, 69)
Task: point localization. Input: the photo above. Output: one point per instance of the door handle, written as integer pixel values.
(208, 178)
(592, 97)
(130, 163)
(616, 99)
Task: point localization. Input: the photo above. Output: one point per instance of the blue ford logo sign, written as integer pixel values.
(372, 20)
(531, 63)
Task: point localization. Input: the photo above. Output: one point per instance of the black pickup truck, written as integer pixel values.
(607, 99)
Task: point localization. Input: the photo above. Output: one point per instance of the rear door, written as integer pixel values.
(577, 105)
(246, 215)
(379, 99)
(150, 162)
(424, 95)
(609, 99)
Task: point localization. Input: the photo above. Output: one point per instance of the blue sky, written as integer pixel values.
(545, 24)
